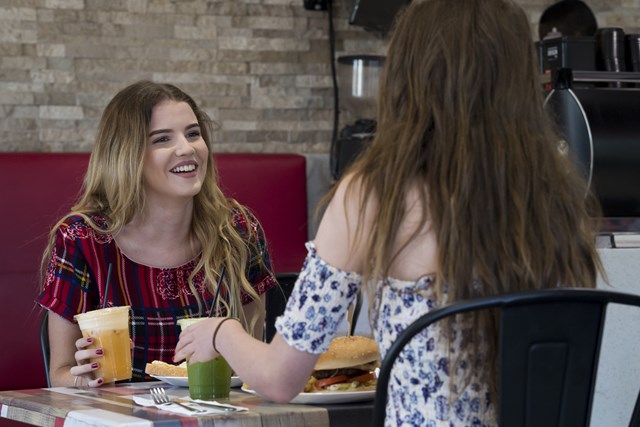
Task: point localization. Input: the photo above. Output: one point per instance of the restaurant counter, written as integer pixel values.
(618, 378)
(114, 406)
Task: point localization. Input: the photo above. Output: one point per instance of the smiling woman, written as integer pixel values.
(175, 162)
(152, 209)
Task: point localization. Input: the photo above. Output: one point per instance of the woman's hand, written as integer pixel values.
(84, 369)
(69, 363)
(196, 341)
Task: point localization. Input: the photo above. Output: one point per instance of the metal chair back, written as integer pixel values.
(549, 348)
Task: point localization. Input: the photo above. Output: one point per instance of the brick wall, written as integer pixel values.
(259, 67)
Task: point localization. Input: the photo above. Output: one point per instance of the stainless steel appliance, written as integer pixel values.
(601, 126)
(358, 76)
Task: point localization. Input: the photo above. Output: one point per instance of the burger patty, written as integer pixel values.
(327, 373)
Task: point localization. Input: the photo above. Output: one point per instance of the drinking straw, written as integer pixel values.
(106, 288)
(215, 297)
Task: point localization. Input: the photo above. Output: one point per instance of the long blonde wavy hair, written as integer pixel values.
(460, 109)
(113, 187)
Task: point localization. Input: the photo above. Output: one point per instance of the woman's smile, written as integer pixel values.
(175, 149)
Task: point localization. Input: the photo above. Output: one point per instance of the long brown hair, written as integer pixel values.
(113, 187)
(460, 111)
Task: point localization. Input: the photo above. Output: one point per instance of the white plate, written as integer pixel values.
(328, 397)
(184, 382)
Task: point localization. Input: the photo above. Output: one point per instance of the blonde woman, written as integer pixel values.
(462, 194)
(151, 212)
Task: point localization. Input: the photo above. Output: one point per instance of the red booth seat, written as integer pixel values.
(36, 189)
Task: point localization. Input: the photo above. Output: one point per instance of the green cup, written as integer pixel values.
(207, 380)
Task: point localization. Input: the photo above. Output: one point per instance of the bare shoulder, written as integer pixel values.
(351, 200)
(339, 240)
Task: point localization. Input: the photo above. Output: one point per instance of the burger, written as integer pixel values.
(347, 365)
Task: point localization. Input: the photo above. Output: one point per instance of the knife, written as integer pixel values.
(214, 406)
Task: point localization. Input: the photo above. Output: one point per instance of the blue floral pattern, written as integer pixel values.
(420, 387)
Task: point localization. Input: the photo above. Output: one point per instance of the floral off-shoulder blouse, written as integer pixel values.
(419, 388)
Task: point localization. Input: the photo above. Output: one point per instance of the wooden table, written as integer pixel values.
(113, 406)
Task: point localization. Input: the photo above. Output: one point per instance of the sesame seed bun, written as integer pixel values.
(348, 352)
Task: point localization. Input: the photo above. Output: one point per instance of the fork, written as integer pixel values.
(160, 397)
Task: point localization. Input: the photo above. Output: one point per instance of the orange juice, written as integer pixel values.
(115, 364)
(110, 329)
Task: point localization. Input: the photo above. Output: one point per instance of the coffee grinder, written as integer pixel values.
(358, 87)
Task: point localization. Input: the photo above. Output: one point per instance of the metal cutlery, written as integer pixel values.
(216, 406)
(160, 397)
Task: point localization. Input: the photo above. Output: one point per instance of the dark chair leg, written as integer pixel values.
(276, 301)
(44, 344)
(635, 417)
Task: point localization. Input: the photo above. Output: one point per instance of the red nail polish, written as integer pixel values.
(99, 351)
(94, 365)
(99, 380)
(89, 340)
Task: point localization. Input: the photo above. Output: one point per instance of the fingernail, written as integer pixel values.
(99, 351)
(94, 365)
(99, 380)
(89, 340)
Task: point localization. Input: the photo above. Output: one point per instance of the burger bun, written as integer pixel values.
(349, 352)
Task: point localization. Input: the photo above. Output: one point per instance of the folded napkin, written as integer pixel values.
(200, 405)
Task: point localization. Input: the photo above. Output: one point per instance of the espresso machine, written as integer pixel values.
(358, 82)
(594, 96)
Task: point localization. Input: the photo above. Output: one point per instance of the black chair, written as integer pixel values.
(44, 343)
(276, 301)
(549, 347)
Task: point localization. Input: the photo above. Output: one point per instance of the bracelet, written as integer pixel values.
(215, 333)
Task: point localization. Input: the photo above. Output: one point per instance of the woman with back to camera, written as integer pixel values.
(151, 209)
(462, 194)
